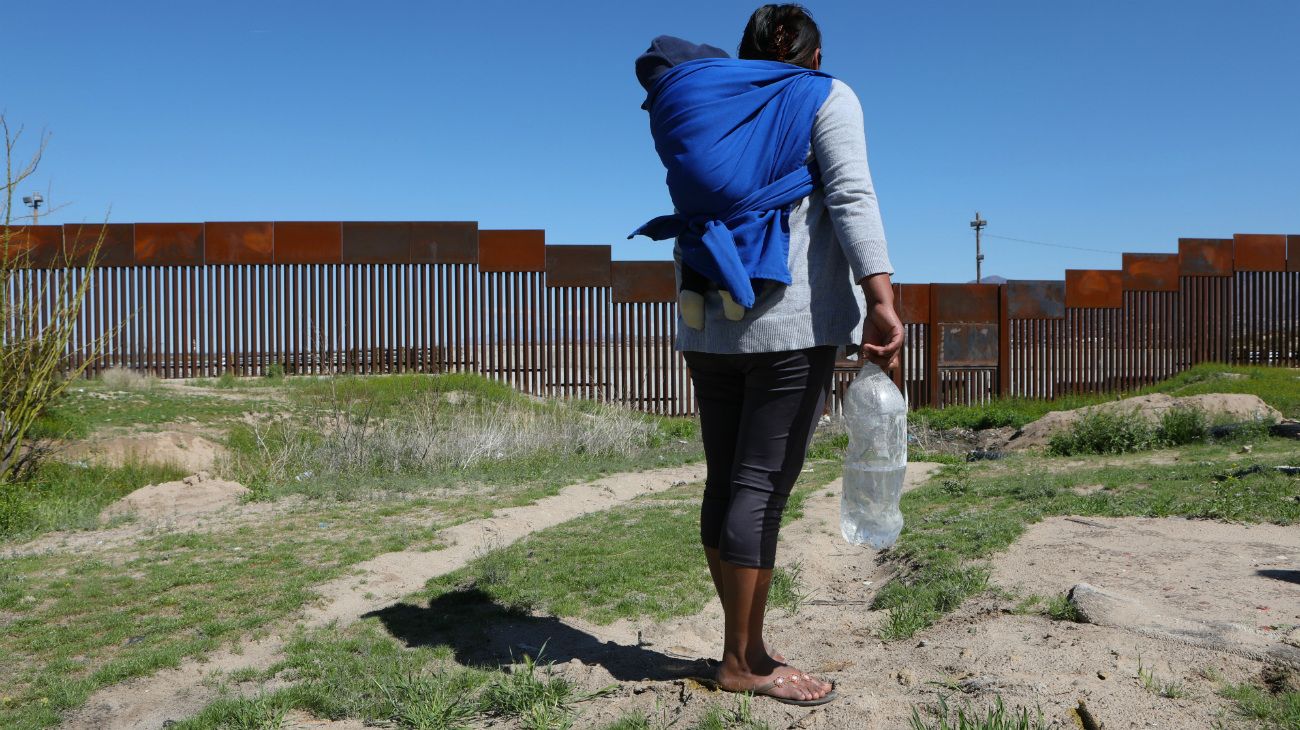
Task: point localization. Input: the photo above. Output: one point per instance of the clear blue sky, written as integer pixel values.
(1105, 124)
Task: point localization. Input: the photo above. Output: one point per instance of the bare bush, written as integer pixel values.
(38, 317)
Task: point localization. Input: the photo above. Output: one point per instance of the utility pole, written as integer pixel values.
(978, 224)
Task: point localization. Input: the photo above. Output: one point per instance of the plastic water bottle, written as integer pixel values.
(876, 460)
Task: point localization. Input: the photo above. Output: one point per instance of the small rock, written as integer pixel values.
(1247, 449)
(906, 677)
(971, 685)
(188, 481)
(922, 644)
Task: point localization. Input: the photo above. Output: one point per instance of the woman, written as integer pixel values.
(776, 213)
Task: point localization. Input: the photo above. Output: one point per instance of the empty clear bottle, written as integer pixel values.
(876, 460)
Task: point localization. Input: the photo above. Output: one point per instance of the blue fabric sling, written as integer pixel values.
(734, 136)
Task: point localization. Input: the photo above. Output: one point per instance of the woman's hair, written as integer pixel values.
(781, 33)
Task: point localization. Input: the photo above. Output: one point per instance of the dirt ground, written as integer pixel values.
(982, 650)
(115, 447)
(1212, 573)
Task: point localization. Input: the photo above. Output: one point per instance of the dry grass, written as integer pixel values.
(128, 381)
(435, 434)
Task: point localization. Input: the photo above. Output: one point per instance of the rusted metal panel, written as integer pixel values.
(643, 281)
(1259, 252)
(1094, 288)
(523, 250)
(577, 266)
(957, 303)
(376, 243)
(1205, 256)
(444, 242)
(913, 303)
(968, 345)
(42, 245)
(1035, 299)
(1150, 272)
(1293, 253)
(169, 244)
(238, 242)
(308, 242)
(116, 248)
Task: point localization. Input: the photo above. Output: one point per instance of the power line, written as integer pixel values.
(1052, 245)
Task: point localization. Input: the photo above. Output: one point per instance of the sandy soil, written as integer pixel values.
(1203, 571)
(181, 502)
(981, 650)
(190, 451)
(173, 694)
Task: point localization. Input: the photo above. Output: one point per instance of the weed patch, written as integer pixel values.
(1279, 710)
(941, 717)
(787, 591)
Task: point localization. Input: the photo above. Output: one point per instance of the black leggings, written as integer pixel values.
(757, 415)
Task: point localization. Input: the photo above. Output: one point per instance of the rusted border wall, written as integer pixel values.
(202, 299)
(1226, 300)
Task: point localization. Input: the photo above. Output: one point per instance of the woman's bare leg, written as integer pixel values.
(714, 558)
(745, 661)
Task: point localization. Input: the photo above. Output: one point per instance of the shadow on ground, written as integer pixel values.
(483, 633)
(1290, 576)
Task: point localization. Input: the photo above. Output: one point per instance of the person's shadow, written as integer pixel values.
(483, 633)
(1290, 576)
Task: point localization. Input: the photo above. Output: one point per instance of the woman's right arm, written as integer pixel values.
(840, 148)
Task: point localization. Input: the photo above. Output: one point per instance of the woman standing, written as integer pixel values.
(779, 235)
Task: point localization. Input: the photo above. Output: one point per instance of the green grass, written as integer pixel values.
(972, 511)
(941, 717)
(69, 497)
(787, 592)
(91, 405)
(641, 559)
(77, 623)
(1170, 689)
(1061, 608)
(362, 673)
(1279, 711)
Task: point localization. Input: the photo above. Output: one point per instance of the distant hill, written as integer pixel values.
(994, 279)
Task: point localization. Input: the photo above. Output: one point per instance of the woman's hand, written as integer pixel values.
(882, 330)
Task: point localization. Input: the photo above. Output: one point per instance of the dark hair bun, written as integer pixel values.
(784, 33)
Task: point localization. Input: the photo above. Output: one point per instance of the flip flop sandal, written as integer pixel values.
(766, 691)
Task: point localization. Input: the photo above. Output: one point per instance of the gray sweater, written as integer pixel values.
(836, 239)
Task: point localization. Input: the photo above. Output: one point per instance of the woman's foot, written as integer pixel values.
(776, 680)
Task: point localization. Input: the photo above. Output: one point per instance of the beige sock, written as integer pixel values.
(691, 304)
(730, 309)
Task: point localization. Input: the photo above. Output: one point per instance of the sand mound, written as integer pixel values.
(1230, 407)
(186, 450)
(189, 497)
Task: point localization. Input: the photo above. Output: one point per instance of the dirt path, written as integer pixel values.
(177, 693)
(981, 651)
